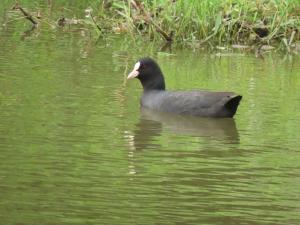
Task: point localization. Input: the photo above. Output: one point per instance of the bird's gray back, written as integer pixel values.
(185, 102)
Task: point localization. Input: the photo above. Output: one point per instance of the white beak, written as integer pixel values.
(134, 73)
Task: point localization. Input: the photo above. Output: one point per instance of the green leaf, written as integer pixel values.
(217, 23)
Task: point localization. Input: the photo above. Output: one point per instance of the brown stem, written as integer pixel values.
(147, 17)
(162, 32)
(99, 28)
(26, 14)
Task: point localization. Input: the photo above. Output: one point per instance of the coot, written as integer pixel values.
(195, 103)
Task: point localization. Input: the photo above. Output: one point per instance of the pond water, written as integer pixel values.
(75, 148)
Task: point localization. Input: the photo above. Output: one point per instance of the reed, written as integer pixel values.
(195, 22)
(243, 24)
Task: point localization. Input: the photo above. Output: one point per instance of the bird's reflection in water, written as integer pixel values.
(151, 124)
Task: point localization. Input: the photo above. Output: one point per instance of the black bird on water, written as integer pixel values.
(195, 103)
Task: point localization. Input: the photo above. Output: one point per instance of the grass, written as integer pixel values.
(243, 24)
(195, 22)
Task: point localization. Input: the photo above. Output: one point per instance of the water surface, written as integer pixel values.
(75, 148)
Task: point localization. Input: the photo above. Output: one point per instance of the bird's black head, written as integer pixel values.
(149, 74)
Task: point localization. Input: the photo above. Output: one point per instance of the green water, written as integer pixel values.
(75, 148)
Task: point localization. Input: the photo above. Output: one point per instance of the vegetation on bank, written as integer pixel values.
(236, 23)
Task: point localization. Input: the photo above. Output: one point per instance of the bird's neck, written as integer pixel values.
(157, 84)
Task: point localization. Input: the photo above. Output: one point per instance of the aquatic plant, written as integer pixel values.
(242, 24)
(217, 22)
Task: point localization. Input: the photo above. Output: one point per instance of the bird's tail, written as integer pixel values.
(233, 103)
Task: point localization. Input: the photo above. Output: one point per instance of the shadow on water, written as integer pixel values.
(151, 125)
